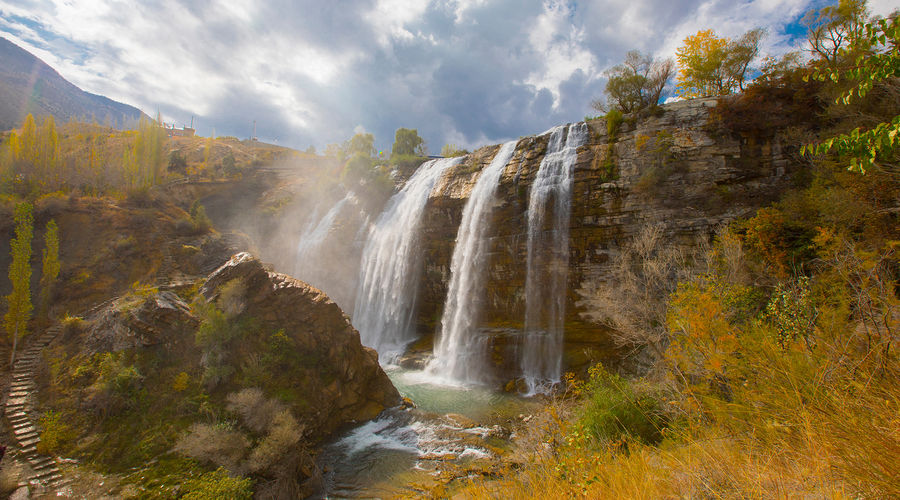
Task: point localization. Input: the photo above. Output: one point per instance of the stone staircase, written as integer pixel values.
(19, 412)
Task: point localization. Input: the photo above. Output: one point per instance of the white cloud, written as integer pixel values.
(560, 45)
(462, 71)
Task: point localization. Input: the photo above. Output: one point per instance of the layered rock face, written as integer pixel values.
(680, 169)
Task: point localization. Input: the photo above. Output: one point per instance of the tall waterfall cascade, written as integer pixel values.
(460, 355)
(391, 265)
(549, 210)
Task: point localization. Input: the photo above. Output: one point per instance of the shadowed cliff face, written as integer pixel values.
(680, 169)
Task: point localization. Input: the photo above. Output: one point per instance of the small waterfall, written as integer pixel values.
(459, 356)
(548, 258)
(391, 265)
(306, 265)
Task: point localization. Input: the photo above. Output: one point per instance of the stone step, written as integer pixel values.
(25, 433)
(46, 476)
(33, 441)
(21, 424)
(41, 462)
(23, 428)
(28, 438)
(19, 394)
(45, 468)
(29, 450)
(16, 416)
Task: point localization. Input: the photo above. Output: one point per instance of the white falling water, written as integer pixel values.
(548, 258)
(459, 356)
(391, 265)
(306, 265)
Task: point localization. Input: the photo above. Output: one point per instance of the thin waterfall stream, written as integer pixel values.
(549, 210)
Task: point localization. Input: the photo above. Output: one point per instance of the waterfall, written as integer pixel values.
(391, 265)
(459, 356)
(306, 265)
(548, 258)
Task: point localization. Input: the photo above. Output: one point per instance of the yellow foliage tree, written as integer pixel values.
(711, 66)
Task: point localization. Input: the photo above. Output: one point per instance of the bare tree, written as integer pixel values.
(633, 299)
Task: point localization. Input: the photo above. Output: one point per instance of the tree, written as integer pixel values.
(637, 83)
(832, 28)
(711, 66)
(408, 143)
(50, 261)
(47, 154)
(878, 43)
(19, 300)
(360, 144)
(28, 140)
(741, 53)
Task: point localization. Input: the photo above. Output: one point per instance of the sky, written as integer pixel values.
(465, 72)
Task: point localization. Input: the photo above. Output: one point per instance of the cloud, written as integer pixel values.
(464, 71)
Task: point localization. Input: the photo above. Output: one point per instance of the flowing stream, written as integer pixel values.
(402, 447)
(549, 210)
(459, 356)
(391, 266)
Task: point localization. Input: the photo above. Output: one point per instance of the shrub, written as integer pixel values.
(55, 433)
(256, 412)
(216, 444)
(614, 119)
(283, 436)
(616, 410)
(181, 382)
(217, 485)
(201, 221)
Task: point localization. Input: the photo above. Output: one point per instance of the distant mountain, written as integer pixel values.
(29, 85)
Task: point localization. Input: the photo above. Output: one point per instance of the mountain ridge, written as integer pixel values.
(29, 85)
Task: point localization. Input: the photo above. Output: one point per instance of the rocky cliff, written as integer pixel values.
(683, 168)
(251, 371)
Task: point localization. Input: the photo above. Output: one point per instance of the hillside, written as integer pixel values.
(29, 85)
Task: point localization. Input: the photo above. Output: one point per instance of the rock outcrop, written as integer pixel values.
(341, 379)
(682, 169)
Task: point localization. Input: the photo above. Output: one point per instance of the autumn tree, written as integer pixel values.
(19, 300)
(636, 84)
(28, 140)
(833, 28)
(144, 162)
(408, 143)
(711, 66)
(47, 155)
(50, 261)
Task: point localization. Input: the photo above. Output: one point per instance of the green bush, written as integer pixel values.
(217, 485)
(614, 119)
(55, 433)
(614, 410)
